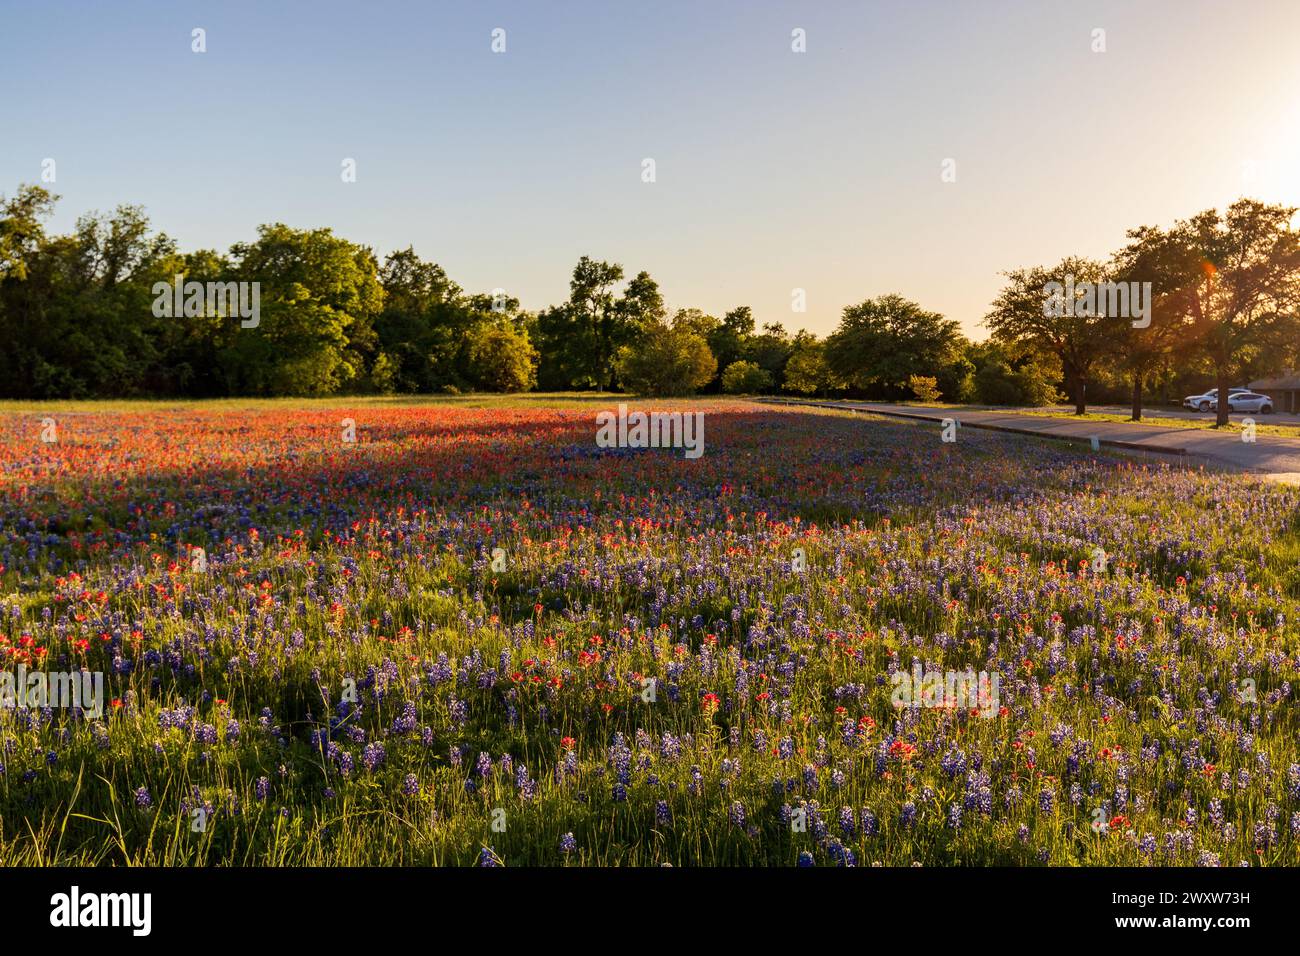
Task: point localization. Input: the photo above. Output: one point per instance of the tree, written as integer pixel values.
(640, 307)
(24, 298)
(1240, 285)
(956, 376)
(189, 348)
(502, 359)
(75, 311)
(881, 342)
(21, 228)
(729, 340)
(1025, 315)
(745, 378)
(1001, 377)
(807, 373)
(580, 339)
(423, 325)
(319, 295)
(594, 308)
(115, 248)
(924, 387)
(1143, 348)
(770, 350)
(698, 322)
(382, 377)
(667, 361)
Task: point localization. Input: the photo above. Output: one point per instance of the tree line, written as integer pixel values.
(78, 319)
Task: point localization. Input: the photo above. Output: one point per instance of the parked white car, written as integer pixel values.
(1248, 402)
(1210, 400)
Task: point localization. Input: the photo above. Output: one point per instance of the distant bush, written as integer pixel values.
(502, 359)
(666, 361)
(745, 378)
(807, 373)
(998, 383)
(924, 387)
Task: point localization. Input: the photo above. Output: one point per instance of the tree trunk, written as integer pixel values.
(1080, 395)
(1222, 418)
(1137, 397)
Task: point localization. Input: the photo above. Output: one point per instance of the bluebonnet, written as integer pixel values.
(841, 854)
(870, 825)
(373, 755)
(736, 814)
(847, 824)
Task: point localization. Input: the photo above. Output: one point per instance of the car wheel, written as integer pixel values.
(1203, 407)
(1266, 409)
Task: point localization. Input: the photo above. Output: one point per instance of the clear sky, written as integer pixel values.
(775, 170)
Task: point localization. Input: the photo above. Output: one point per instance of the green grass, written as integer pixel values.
(1262, 427)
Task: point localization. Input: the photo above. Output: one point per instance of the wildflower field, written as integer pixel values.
(473, 637)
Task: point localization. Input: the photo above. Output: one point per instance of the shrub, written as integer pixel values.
(924, 387)
(666, 361)
(745, 378)
(502, 359)
(806, 373)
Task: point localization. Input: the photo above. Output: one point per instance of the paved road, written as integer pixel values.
(1277, 458)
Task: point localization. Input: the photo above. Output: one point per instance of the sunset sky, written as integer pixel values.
(775, 170)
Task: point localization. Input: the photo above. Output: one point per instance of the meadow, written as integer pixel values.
(471, 636)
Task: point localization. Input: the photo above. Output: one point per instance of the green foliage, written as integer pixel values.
(924, 387)
(77, 320)
(668, 360)
(383, 375)
(807, 372)
(75, 310)
(319, 297)
(579, 340)
(770, 350)
(1228, 291)
(881, 342)
(729, 338)
(745, 378)
(423, 323)
(502, 359)
(1001, 378)
(21, 230)
(1079, 338)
